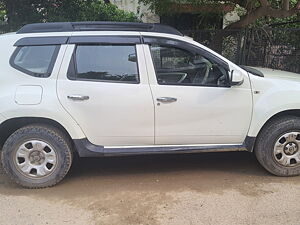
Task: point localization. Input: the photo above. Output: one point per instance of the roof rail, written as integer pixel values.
(97, 26)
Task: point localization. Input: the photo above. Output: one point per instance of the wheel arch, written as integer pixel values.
(291, 112)
(284, 113)
(9, 126)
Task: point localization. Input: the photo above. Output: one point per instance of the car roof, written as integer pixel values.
(97, 26)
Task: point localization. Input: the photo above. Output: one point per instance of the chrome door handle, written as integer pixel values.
(78, 97)
(166, 99)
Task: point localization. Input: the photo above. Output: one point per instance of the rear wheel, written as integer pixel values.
(37, 156)
(278, 147)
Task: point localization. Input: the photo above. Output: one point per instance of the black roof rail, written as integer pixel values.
(97, 26)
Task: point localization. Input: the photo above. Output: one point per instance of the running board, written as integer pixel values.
(87, 149)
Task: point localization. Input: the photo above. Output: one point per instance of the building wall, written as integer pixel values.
(139, 9)
(230, 17)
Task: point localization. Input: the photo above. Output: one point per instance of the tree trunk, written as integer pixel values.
(286, 5)
(10, 6)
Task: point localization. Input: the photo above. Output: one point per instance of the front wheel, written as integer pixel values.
(278, 147)
(37, 156)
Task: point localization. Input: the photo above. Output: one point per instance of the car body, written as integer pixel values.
(128, 88)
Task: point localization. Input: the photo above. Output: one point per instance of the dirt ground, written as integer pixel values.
(210, 188)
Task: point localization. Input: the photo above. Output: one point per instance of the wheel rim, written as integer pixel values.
(36, 159)
(287, 149)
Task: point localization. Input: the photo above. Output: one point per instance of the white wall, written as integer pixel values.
(233, 16)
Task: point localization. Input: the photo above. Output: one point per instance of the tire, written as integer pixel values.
(37, 156)
(281, 133)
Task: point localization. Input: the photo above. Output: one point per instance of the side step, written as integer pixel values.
(87, 149)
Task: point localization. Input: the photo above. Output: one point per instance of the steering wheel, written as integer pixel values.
(197, 79)
(208, 67)
(222, 79)
(203, 62)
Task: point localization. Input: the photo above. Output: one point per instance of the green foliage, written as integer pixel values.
(164, 7)
(106, 12)
(277, 4)
(2, 16)
(158, 6)
(289, 22)
(88, 11)
(29, 11)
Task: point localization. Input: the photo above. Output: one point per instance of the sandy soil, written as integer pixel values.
(210, 188)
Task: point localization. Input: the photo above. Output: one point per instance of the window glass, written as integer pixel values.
(177, 66)
(34, 60)
(107, 63)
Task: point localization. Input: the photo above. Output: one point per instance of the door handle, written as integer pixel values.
(166, 99)
(78, 97)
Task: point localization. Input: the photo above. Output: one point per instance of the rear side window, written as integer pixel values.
(36, 61)
(111, 63)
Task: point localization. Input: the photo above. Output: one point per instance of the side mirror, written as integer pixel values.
(236, 78)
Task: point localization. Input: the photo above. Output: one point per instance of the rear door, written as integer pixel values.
(103, 85)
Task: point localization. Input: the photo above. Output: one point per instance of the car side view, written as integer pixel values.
(97, 89)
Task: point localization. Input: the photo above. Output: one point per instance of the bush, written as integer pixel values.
(30, 11)
(100, 11)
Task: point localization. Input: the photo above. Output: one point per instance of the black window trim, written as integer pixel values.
(97, 26)
(39, 41)
(105, 39)
(169, 42)
(72, 69)
(33, 74)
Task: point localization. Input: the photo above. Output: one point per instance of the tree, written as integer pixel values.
(254, 9)
(266, 8)
(17, 9)
(101, 11)
(29, 11)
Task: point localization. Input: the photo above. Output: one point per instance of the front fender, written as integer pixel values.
(270, 97)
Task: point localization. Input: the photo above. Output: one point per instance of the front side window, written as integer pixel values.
(175, 66)
(35, 60)
(115, 63)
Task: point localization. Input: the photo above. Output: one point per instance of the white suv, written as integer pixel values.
(109, 89)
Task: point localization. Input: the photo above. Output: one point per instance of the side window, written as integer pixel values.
(35, 60)
(175, 66)
(115, 63)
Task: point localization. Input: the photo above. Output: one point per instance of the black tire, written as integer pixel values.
(59, 143)
(264, 146)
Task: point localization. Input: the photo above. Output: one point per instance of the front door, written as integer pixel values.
(194, 103)
(104, 87)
